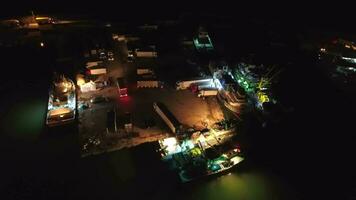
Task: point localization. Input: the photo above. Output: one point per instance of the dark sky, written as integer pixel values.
(293, 12)
(334, 16)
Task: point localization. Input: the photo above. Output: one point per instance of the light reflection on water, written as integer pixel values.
(25, 119)
(252, 185)
(122, 167)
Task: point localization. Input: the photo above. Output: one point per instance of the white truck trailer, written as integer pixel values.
(207, 92)
(181, 85)
(141, 71)
(167, 117)
(143, 53)
(97, 71)
(93, 64)
(149, 84)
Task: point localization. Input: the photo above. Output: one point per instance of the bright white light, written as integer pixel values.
(169, 141)
(42, 44)
(187, 145)
(50, 106)
(352, 69)
(231, 75)
(71, 103)
(171, 145)
(218, 84)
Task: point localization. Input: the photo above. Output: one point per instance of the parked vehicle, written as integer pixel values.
(130, 56)
(144, 71)
(96, 71)
(98, 99)
(181, 85)
(167, 117)
(146, 53)
(110, 56)
(206, 93)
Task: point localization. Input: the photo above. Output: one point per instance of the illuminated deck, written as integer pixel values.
(62, 102)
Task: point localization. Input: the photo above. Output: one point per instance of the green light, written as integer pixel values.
(195, 152)
(262, 97)
(215, 167)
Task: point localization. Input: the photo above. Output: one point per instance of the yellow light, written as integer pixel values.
(80, 81)
(39, 18)
(195, 152)
(262, 97)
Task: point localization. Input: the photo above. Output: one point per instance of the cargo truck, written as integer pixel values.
(207, 92)
(145, 53)
(167, 117)
(144, 71)
(181, 85)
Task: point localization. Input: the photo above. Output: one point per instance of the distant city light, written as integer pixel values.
(42, 44)
(352, 60)
(352, 69)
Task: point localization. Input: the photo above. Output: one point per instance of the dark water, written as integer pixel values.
(41, 163)
(45, 164)
(48, 165)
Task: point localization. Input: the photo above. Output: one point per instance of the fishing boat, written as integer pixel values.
(61, 102)
(212, 167)
(192, 158)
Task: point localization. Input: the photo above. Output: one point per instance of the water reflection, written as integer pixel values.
(254, 185)
(136, 172)
(25, 119)
(234, 186)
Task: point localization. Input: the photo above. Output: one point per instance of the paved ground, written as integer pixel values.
(190, 110)
(186, 106)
